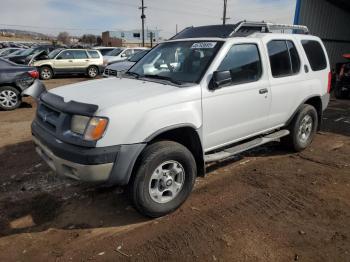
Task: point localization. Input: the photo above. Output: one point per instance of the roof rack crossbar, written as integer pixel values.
(265, 27)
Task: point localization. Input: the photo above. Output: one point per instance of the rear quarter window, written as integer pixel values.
(93, 54)
(315, 54)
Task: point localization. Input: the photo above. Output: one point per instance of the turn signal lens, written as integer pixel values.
(96, 128)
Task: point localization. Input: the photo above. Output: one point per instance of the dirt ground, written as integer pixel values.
(267, 205)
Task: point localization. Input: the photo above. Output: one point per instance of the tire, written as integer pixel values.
(302, 129)
(92, 71)
(10, 98)
(150, 190)
(339, 93)
(46, 73)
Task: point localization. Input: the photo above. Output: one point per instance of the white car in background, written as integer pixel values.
(104, 50)
(119, 67)
(120, 54)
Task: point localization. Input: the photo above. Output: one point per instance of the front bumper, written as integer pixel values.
(111, 165)
(87, 173)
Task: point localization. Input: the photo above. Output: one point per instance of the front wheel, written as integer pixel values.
(10, 98)
(302, 129)
(164, 179)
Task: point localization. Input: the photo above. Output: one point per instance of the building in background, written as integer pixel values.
(130, 38)
(108, 40)
(330, 20)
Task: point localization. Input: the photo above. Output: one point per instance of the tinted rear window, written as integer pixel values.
(284, 58)
(279, 58)
(315, 55)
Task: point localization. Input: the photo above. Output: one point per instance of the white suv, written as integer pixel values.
(207, 94)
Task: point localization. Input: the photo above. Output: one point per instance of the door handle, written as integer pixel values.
(87, 60)
(263, 91)
(70, 60)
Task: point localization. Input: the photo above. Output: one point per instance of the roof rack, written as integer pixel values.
(245, 28)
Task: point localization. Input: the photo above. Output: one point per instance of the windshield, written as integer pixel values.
(136, 57)
(28, 51)
(181, 61)
(114, 52)
(18, 52)
(54, 53)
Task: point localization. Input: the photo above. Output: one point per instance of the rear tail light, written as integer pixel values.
(34, 74)
(329, 82)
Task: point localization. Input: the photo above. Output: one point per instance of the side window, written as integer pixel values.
(315, 54)
(244, 63)
(66, 55)
(284, 58)
(294, 57)
(80, 54)
(93, 54)
(279, 58)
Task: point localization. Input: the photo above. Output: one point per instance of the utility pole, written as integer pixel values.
(224, 18)
(151, 37)
(176, 28)
(142, 7)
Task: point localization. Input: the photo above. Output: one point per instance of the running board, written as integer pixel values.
(246, 146)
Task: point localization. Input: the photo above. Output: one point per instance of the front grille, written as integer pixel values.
(48, 117)
(110, 72)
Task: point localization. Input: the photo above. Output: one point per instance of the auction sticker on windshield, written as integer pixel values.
(203, 45)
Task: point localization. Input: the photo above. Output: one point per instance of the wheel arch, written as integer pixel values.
(187, 135)
(314, 101)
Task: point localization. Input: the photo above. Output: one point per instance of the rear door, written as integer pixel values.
(81, 60)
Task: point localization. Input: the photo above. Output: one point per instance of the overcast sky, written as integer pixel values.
(94, 16)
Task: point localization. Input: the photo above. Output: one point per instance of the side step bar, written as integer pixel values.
(246, 146)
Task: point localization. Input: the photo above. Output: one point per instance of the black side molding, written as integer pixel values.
(72, 107)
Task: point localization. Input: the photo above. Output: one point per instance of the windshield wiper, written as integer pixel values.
(136, 75)
(167, 78)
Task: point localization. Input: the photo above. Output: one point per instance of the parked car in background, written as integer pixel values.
(119, 67)
(13, 80)
(70, 61)
(104, 50)
(120, 54)
(8, 51)
(25, 57)
(341, 84)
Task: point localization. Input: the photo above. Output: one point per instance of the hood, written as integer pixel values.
(120, 66)
(111, 92)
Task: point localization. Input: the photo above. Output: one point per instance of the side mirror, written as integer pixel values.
(123, 55)
(59, 58)
(221, 78)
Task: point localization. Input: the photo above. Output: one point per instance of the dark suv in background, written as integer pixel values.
(25, 57)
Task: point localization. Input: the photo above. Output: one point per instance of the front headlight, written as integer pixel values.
(91, 128)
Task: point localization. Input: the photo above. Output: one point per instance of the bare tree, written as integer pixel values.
(64, 38)
(88, 39)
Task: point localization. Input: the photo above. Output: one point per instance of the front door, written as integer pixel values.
(64, 62)
(239, 109)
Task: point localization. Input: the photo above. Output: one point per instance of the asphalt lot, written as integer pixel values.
(267, 205)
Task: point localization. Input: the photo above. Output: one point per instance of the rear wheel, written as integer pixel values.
(46, 73)
(302, 129)
(10, 98)
(92, 71)
(164, 178)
